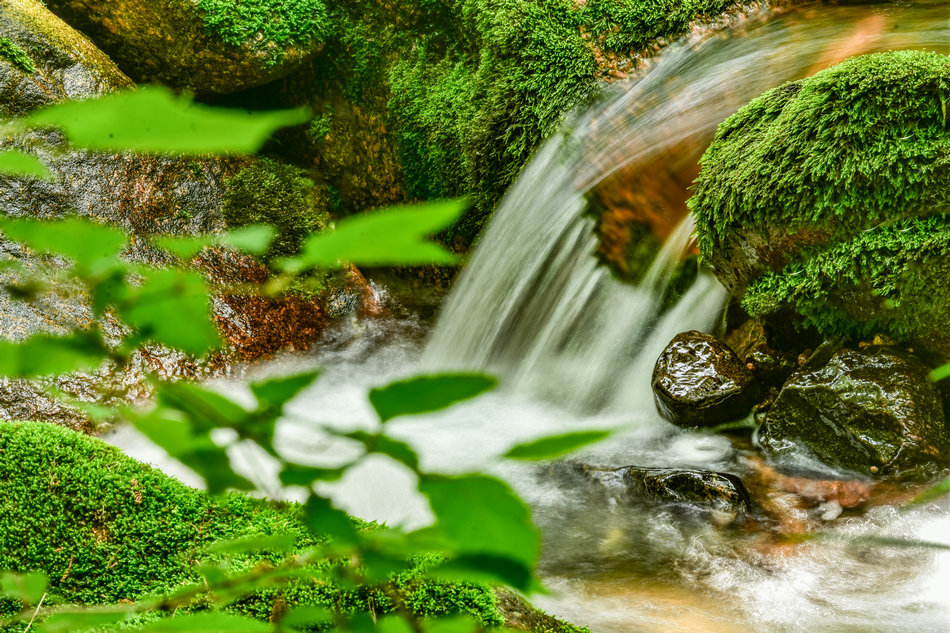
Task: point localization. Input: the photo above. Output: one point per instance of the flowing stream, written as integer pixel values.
(574, 348)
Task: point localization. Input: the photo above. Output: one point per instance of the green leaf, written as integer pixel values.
(396, 236)
(80, 621)
(325, 520)
(393, 624)
(477, 514)
(456, 624)
(204, 408)
(20, 163)
(209, 622)
(277, 392)
(45, 355)
(152, 119)
(257, 542)
(28, 587)
(399, 451)
(940, 373)
(184, 247)
(306, 617)
(83, 241)
(295, 475)
(254, 239)
(933, 492)
(555, 445)
(172, 307)
(492, 570)
(422, 394)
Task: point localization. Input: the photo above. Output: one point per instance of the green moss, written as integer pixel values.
(888, 279)
(843, 180)
(16, 56)
(860, 143)
(106, 528)
(470, 109)
(266, 23)
(268, 192)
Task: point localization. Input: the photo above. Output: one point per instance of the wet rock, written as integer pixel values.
(872, 411)
(206, 47)
(751, 342)
(60, 63)
(700, 488)
(699, 381)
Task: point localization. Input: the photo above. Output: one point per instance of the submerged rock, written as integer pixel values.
(207, 46)
(699, 381)
(873, 411)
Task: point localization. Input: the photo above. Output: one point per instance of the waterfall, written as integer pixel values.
(533, 306)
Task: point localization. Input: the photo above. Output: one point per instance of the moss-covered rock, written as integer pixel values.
(268, 192)
(43, 60)
(106, 528)
(830, 195)
(207, 46)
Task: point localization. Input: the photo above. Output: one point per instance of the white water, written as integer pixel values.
(575, 349)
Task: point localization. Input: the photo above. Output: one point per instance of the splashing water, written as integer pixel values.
(575, 348)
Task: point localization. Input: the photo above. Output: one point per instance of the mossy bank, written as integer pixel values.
(106, 528)
(829, 197)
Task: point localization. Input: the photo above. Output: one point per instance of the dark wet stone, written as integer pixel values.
(699, 381)
(700, 488)
(872, 411)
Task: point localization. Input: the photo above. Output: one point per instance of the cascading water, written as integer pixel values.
(575, 348)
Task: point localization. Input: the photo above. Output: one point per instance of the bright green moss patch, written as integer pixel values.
(890, 279)
(861, 143)
(268, 192)
(474, 98)
(106, 528)
(266, 23)
(16, 56)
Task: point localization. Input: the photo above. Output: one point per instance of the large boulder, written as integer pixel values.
(873, 411)
(206, 46)
(699, 381)
(827, 198)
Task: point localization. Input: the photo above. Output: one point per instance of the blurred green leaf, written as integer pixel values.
(277, 392)
(172, 307)
(478, 514)
(152, 119)
(257, 542)
(940, 373)
(396, 236)
(296, 475)
(209, 622)
(933, 492)
(82, 240)
(28, 587)
(492, 570)
(555, 445)
(254, 239)
(457, 624)
(19, 163)
(423, 394)
(45, 355)
(80, 621)
(184, 247)
(205, 408)
(400, 451)
(306, 617)
(393, 624)
(325, 520)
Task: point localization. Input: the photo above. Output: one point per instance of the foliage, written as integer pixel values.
(11, 52)
(279, 195)
(82, 513)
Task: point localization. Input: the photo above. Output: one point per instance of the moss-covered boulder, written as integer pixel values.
(872, 411)
(827, 197)
(43, 60)
(206, 46)
(106, 528)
